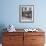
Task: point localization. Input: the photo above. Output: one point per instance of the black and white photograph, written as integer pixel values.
(26, 13)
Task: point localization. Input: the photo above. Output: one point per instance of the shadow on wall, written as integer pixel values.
(2, 26)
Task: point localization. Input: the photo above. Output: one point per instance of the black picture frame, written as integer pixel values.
(26, 13)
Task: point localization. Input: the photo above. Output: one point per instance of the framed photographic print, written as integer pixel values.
(26, 13)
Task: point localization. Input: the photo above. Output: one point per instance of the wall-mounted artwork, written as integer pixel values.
(26, 13)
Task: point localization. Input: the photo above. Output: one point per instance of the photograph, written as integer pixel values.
(26, 13)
